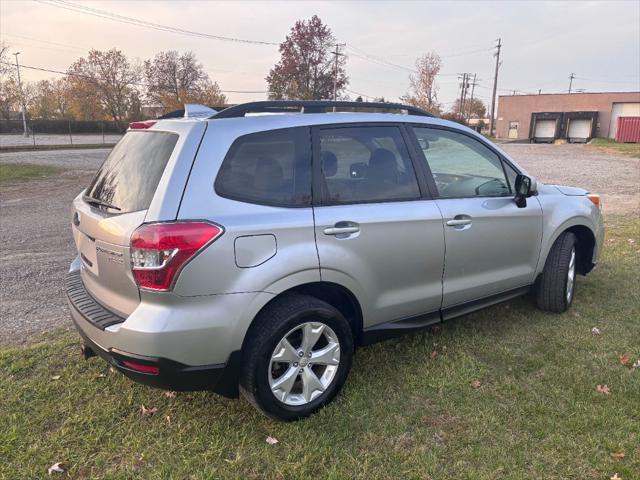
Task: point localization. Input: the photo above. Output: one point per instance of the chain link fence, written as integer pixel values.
(60, 132)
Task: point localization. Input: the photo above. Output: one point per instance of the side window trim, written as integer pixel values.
(318, 193)
(233, 149)
(503, 160)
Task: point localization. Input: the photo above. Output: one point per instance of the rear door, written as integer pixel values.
(115, 203)
(376, 231)
(492, 246)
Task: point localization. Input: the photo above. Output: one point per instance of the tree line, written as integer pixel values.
(107, 85)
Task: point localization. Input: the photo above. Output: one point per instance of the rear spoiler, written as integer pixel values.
(191, 110)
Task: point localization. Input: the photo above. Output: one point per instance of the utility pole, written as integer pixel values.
(24, 108)
(463, 93)
(473, 88)
(335, 71)
(495, 87)
(571, 77)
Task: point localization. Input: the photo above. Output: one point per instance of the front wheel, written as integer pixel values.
(557, 286)
(296, 358)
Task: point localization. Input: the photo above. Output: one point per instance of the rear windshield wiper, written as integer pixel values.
(95, 201)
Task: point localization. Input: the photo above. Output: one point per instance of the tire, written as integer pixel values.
(556, 288)
(311, 386)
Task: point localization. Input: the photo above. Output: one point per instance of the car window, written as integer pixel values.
(129, 176)
(366, 164)
(461, 166)
(271, 168)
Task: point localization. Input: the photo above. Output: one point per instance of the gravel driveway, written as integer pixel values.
(37, 243)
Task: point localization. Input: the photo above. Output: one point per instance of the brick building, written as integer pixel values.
(576, 117)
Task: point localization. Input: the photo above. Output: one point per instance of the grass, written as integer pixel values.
(607, 144)
(19, 172)
(403, 413)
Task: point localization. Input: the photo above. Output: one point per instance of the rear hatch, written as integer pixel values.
(111, 208)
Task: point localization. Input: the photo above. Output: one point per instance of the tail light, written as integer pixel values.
(595, 199)
(160, 250)
(142, 125)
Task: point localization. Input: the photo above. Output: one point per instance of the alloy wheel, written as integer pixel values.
(304, 363)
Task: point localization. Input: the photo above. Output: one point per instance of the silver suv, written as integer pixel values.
(253, 249)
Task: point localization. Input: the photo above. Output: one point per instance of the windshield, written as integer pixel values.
(129, 176)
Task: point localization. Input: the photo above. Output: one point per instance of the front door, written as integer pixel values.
(376, 234)
(492, 246)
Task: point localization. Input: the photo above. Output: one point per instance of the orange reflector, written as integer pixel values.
(595, 199)
(149, 369)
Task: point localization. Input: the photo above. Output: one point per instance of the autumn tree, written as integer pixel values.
(174, 79)
(306, 70)
(471, 108)
(9, 95)
(103, 84)
(423, 91)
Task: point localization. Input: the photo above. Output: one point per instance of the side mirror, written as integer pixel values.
(525, 187)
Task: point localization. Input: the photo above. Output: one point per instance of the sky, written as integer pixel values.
(543, 42)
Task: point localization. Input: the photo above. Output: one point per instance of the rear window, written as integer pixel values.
(129, 176)
(269, 168)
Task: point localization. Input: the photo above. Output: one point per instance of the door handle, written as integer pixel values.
(342, 228)
(459, 222)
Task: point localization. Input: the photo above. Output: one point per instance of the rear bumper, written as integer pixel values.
(221, 378)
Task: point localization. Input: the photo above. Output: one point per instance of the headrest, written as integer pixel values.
(329, 164)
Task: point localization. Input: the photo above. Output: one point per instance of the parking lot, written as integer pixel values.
(37, 246)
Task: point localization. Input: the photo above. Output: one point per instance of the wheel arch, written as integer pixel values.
(334, 294)
(585, 244)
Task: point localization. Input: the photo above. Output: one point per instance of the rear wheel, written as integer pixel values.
(296, 358)
(557, 286)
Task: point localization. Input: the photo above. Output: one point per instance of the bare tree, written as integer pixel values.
(106, 80)
(174, 79)
(423, 91)
(307, 69)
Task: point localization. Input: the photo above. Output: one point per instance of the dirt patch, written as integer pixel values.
(615, 177)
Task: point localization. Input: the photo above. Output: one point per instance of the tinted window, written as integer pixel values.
(462, 166)
(129, 176)
(272, 168)
(366, 164)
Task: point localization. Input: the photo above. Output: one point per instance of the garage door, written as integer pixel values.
(545, 130)
(579, 130)
(627, 109)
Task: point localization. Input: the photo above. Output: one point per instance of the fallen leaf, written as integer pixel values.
(616, 455)
(169, 394)
(56, 377)
(616, 477)
(624, 359)
(603, 389)
(148, 411)
(272, 441)
(475, 383)
(56, 468)
(596, 331)
(167, 420)
(636, 364)
(434, 354)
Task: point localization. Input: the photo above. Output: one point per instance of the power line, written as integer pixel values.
(66, 45)
(139, 84)
(143, 23)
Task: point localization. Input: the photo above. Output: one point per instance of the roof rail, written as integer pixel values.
(311, 106)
